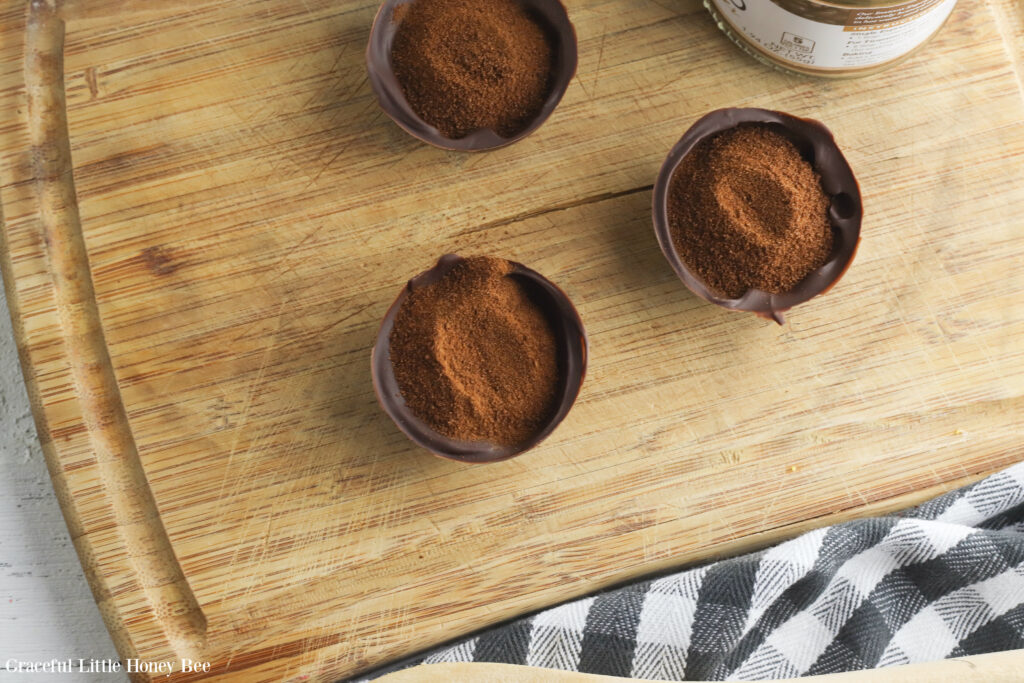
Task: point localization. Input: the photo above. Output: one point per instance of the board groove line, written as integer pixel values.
(316, 542)
(565, 206)
(146, 542)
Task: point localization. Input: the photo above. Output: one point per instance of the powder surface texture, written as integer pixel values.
(747, 211)
(470, 64)
(474, 357)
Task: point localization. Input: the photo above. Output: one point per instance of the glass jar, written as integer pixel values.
(842, 38)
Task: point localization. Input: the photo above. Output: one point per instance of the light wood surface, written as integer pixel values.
(46, 609)
(999, 667)
(201, 385)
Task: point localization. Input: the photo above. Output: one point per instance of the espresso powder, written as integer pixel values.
(464, 65)
(474, 357)
(747, 211)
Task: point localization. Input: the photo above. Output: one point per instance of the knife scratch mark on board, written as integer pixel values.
(249, 117)
(244, 415)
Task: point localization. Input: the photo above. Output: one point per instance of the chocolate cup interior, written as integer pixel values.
(392, 100)
(819, 148)
(572, 349)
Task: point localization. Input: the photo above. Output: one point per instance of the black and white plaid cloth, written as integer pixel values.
(945, 579)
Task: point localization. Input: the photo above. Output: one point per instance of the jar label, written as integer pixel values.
(813, 34)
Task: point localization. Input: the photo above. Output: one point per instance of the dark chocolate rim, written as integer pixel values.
(392, 100)
(573, 349)
(846, 211)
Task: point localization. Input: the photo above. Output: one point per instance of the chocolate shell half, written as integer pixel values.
(392, 100)
(572, 344)
(819, 148)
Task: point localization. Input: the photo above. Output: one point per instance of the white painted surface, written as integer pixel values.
(46, 609)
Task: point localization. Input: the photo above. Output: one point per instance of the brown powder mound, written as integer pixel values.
(474, 357)
(748, 212)
(470, 64)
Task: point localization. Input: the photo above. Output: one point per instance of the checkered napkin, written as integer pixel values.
(942, 580)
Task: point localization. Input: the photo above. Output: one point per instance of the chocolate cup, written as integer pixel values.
(392, 100)
(572, 349)
(818, 147)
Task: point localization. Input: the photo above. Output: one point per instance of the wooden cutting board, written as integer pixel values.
(248, 214)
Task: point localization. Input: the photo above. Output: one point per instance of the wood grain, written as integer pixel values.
(135, 513)
(248, 215)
